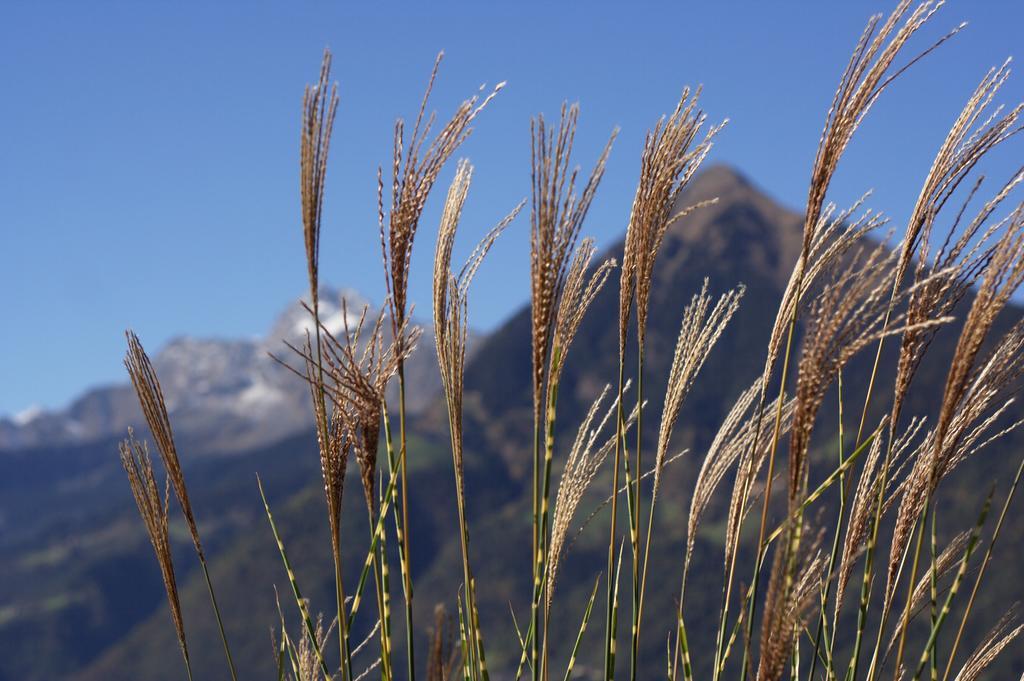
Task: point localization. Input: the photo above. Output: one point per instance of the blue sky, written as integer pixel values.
(148, 159)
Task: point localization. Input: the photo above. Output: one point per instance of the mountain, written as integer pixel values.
(92, 608)
(224, 396)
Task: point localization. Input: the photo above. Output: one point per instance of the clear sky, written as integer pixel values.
(148, 151)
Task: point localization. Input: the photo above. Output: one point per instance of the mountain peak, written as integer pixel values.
(719, 180)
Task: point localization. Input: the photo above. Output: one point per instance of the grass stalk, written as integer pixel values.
(545, 506)
(220, 622)
(537, 558)
(380, 577)
(933, 598)
(582, 630)
(957, 581)
(758, 562)
(638, 582)
(981, 570)
(403, 528)
(834, 554)
(300, 602)
(922, 523)
(609, 641)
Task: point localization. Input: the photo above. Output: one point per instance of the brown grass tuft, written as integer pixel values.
(700, 329)
(556, 219)
(671, 156)
(318, 109)
(791, 590)
(451, 301)
(415, 168)
(151, 399)
(582, 465)
(1001, 636)
(153, 509)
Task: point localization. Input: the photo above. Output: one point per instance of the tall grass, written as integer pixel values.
(793, 615)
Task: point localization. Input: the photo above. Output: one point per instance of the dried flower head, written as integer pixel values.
(852, 311)
(971, 417)
(700, 329)
(733, 439)
(578, 293)
(835, 234)
(335, 441)
(151, 399)
(964, 259)
(357, 368)
(153, 509)
(794, 583)
(451, 302)
(755, 449)
(415, 168)
(556, 218)
(307, 658)
(965, 144)
(1002, 635)
(1001, 278)
(671, 156)
(318, 109)
(867, 75)
(866, 495)
(582, 465)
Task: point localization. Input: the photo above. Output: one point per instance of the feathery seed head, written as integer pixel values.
(151, 399)
(451, 302)
(701, 328)
(671, 155)
(581, 467)
(556, 218)
(318, 110)
(152, 507)
(415, 169)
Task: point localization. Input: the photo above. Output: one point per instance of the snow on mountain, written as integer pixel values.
(28, 415)
(223, 395)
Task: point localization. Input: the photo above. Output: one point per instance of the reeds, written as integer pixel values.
(845, 294)
(556, 218)
(153, 510)
(151, 399)
(416, 164)
(671, 156)
(451, 308)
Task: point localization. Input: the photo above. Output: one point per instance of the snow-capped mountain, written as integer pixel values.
(223, 395)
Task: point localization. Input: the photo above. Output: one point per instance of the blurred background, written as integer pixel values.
(149, 180)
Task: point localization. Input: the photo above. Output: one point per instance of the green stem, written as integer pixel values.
(609, 641)
(346, 652)
(300, 602)
(635, 531)
(476, 660)
(957, 581)
(543, 558)
(388, 497)
(536, 551)
(220, 622)
(934, 597)
(403, 537)
(379, 575)
(752, 603)
(833, 556)
(904, 625)
(981, 570)
(583, 629)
